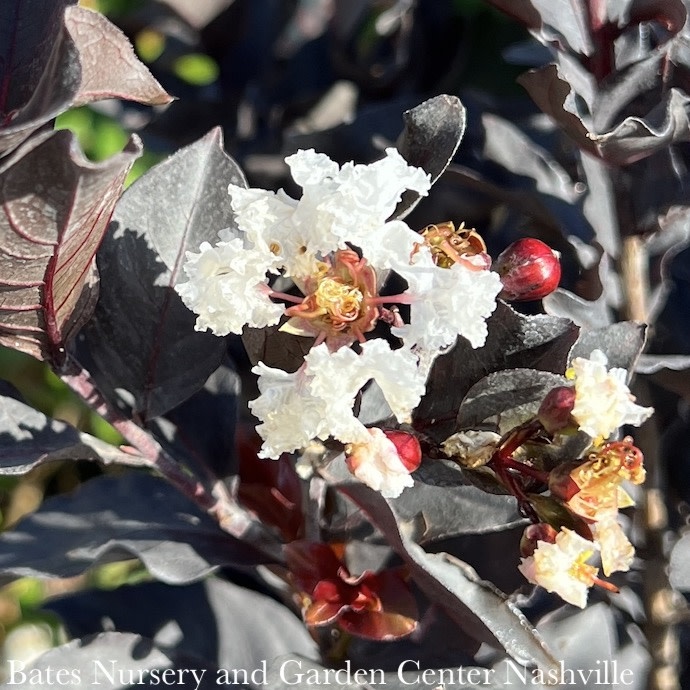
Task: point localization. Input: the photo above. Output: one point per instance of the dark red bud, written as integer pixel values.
(533, 534)
(554, 411)
(407, 445)
(529, 270)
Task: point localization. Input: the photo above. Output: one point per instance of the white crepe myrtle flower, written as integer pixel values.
(316, 401)
(561, 567)
(337, 206)
(603, 401)
(377, 464)
(617, 553)
(226, 287)
(447, 302)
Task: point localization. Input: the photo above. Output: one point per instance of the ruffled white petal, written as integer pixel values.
(447, 302)
(603, 401)
(226, 287)
(561, 567)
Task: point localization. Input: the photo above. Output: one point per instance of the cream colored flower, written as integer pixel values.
(562, 567)
(617, 553)
(377, 464)
(603, 401)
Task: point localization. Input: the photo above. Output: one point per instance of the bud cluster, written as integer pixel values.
(573, 504)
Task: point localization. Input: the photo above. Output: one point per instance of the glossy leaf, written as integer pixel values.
(514, 341)
(55, 210)
(511, 396)
(142, 336)
(433, 131)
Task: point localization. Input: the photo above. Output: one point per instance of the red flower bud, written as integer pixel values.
(407, 445)
(554, 411)
(529, 270)
(534, 534)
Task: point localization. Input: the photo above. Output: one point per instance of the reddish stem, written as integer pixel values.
(214, 498)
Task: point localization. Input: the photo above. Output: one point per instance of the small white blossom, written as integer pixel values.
(447, 302)
(617, 553)
(316, 402)
(290, 416)
(343, 373)
(377, 464)
(227, 288)
(603, 401)
(561, 567)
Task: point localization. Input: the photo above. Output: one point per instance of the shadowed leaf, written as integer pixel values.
(142, 336)
(229, 626)
(28, 438)
(110, 519)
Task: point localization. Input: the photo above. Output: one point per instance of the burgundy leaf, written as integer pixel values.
(53, 57)
(39, 67)
(56, 206)
(110, 69)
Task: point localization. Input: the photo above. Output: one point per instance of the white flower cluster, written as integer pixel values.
(341, 208)
(603, 401)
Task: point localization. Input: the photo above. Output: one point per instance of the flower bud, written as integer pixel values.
(529, 270)
(407, 445)
(556, 407)
(534, 534)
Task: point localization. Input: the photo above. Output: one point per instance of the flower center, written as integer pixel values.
(579, 570)
(341, 303)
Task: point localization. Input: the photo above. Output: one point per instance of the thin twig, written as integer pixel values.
(659, 597)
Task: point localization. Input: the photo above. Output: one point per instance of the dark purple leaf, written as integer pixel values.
(39, 69)
(432, 134)
(55, 57)
(110, 69)
(112, 661)
(55, 209)
(449, 507)
(142, 337)
(552, 93)
(227, 625)
(202, 429)
(275, 348)
(511, 396)
(110, 519)
(514, 342)
(28, 438)
(480, 609)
